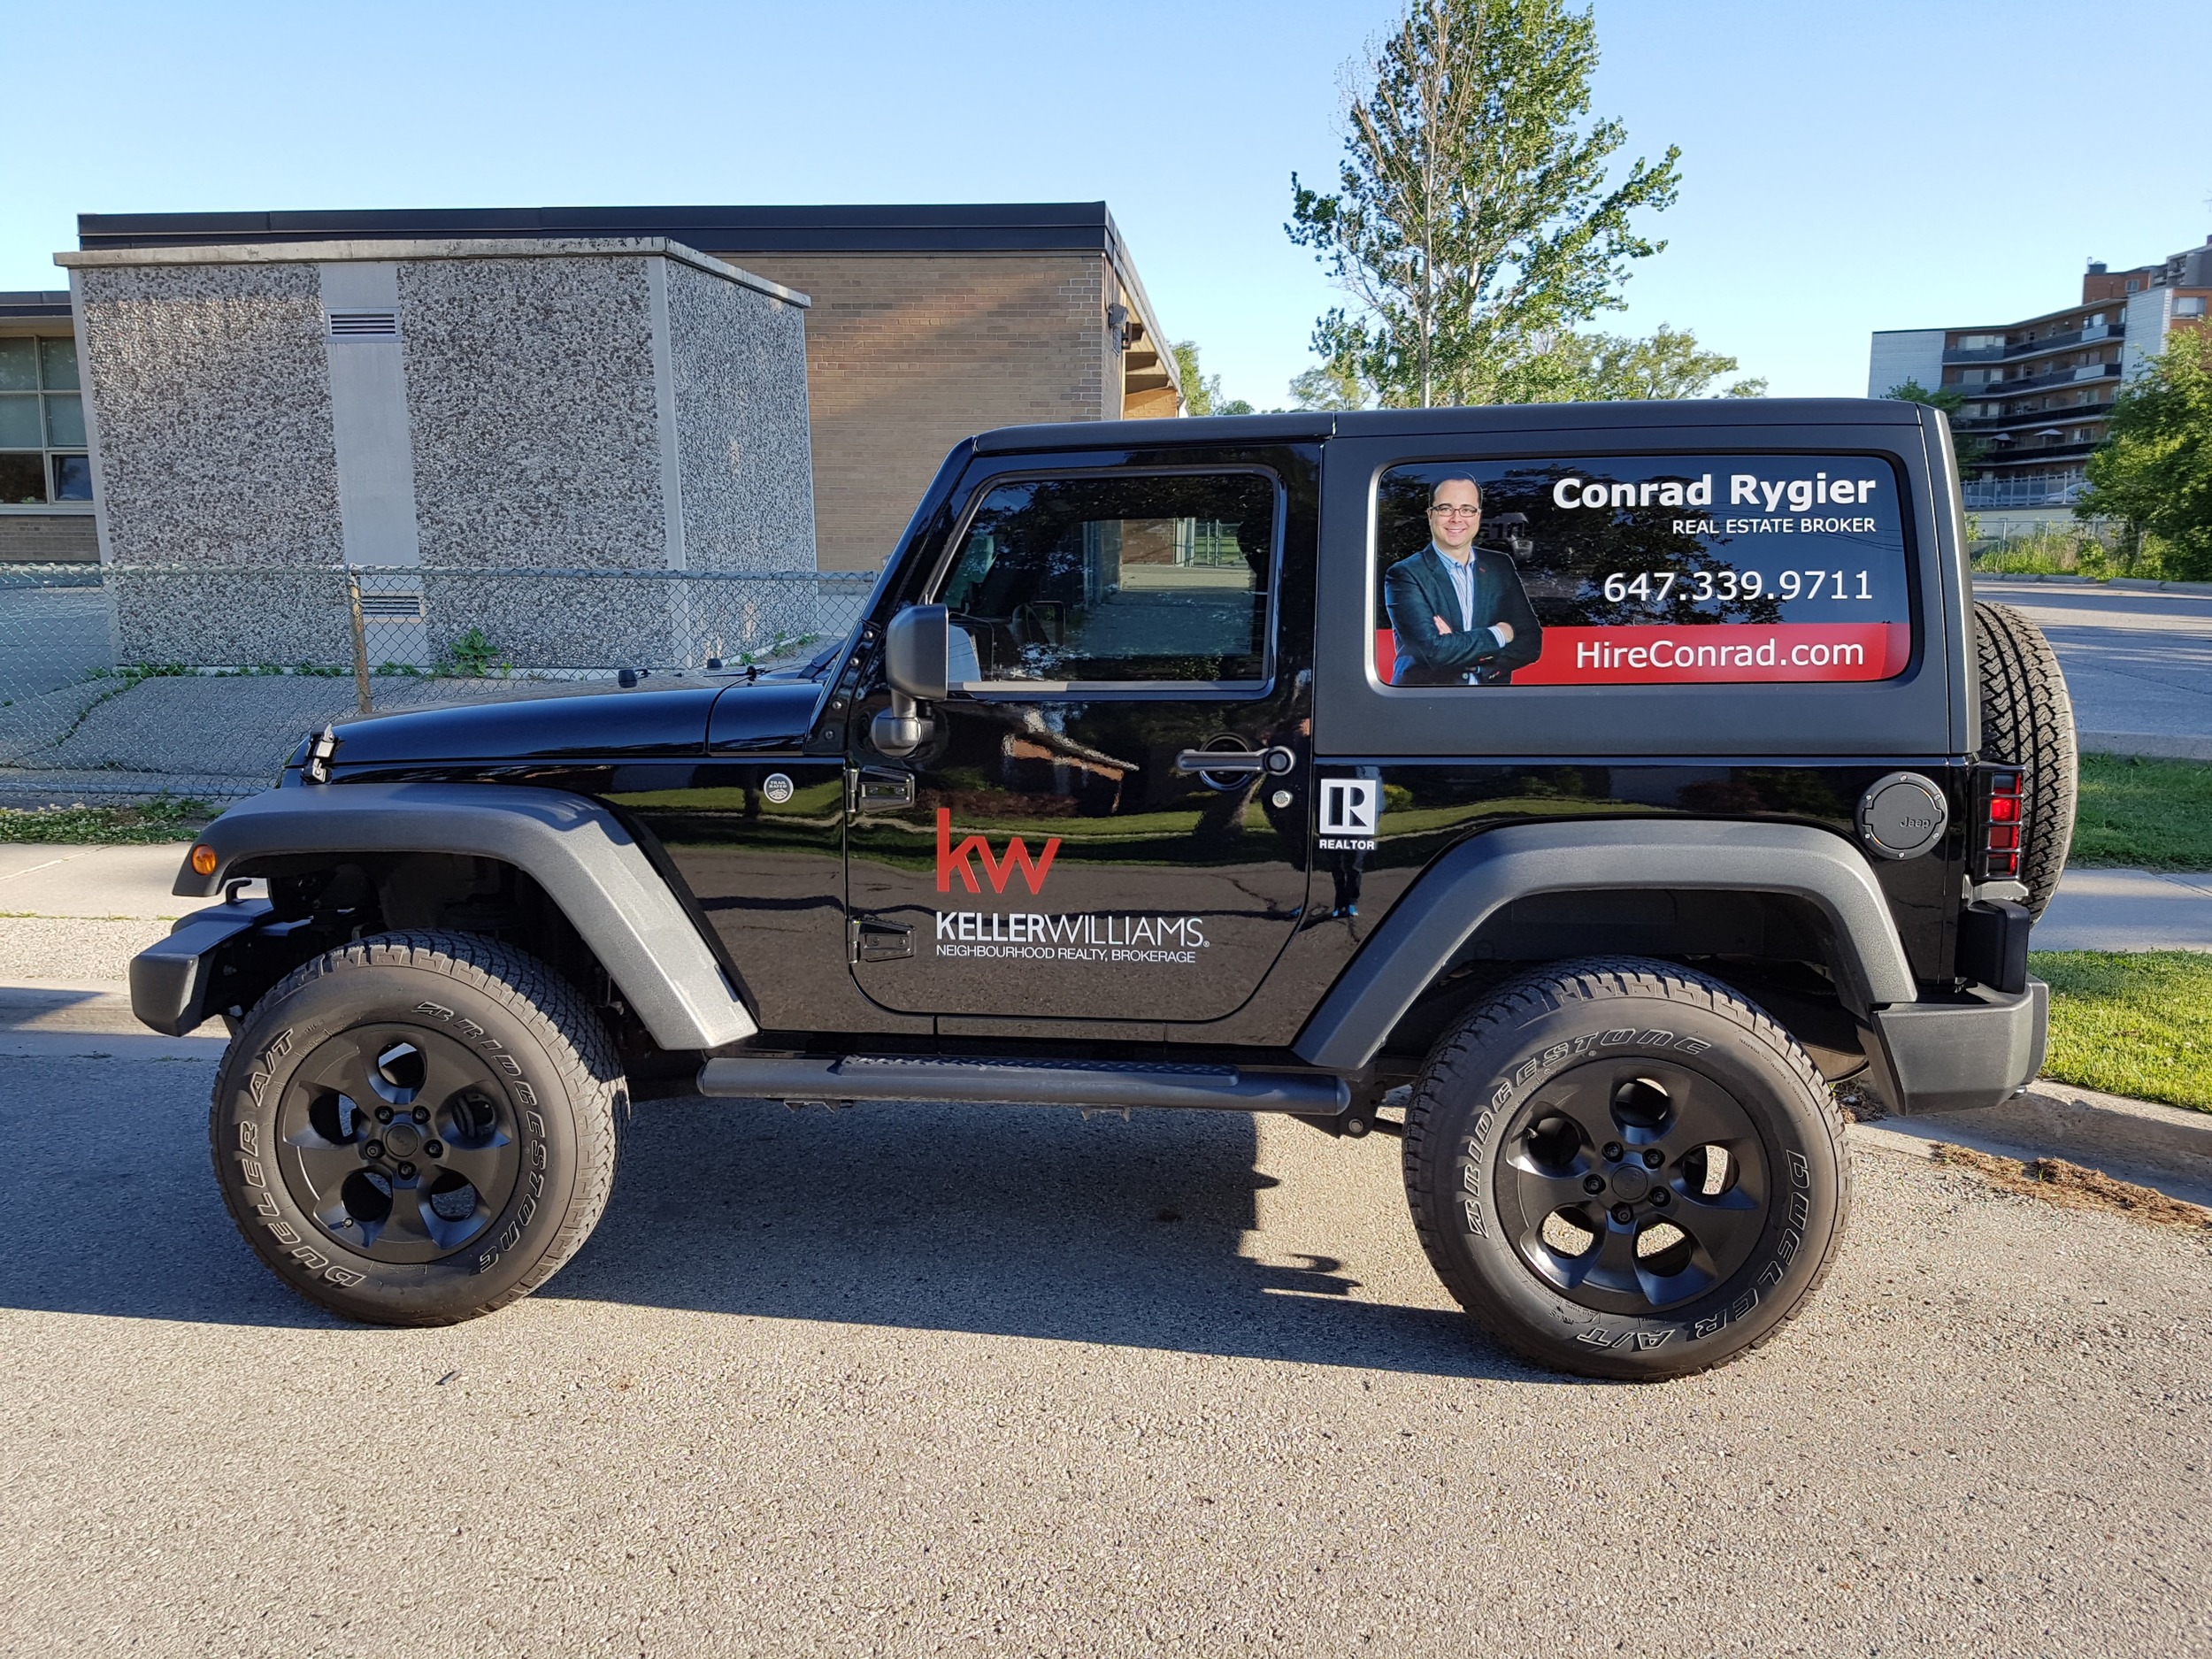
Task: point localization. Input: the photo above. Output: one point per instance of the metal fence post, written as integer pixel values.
(360, 643)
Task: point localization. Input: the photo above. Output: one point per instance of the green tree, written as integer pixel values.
(1969, 449)
(1669, 364)
(1329, 386)
(1201, 392)
(2154, 470)
(1473, 223)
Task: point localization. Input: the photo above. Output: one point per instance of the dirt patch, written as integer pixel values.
(2072, 1186)
(1858, 1103)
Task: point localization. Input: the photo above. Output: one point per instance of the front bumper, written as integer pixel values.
(176, 984)
(1973, 1051)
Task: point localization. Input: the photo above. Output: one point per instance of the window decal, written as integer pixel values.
(1645, 570)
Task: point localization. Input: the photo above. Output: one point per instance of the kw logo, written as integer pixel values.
(953, 861)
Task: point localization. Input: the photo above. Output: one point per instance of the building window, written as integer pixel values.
(2134, 283)
(2189, 305)
(42, 446)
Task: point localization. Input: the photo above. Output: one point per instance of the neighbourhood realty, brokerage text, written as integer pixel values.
(1100, 937)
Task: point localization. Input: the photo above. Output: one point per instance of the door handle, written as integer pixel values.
(1223, 762)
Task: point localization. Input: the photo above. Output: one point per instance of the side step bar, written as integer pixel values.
(1022, 1083)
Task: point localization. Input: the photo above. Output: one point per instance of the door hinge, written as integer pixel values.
(878, 789)
(875, 940)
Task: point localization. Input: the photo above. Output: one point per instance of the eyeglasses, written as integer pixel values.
(1454, 510)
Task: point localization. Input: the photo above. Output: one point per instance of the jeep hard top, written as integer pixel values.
(1575, 791)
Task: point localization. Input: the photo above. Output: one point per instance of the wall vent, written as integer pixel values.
(392, 607)
(354, 325)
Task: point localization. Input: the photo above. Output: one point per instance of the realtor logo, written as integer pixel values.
(1349, 810)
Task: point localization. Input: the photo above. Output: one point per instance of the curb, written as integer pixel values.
(2129, 583)
(2149, 745)
(2168, 1147)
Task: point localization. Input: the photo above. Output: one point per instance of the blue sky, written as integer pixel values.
(1846, 168)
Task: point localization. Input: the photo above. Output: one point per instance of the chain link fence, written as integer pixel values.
(225, 667)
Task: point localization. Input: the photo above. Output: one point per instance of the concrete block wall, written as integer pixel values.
(609, 405)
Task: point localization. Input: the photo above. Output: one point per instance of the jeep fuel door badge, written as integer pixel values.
(1903, 815)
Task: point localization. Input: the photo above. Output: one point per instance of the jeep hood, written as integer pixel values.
(678, 718)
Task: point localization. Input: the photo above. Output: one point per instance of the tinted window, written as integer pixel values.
(1122, 577)
(1641, 570)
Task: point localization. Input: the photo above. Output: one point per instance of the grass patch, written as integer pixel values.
(2153, 814)
(161, 820)
(2133, 1023)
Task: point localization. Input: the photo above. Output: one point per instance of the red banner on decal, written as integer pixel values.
(1718, 653)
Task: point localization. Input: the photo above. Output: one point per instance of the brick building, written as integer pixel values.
(927, 323)
(2037, 391)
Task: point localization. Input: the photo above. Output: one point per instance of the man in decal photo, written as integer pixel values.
(1458, 612)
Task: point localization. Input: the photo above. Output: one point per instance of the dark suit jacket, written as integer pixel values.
(1417, 590)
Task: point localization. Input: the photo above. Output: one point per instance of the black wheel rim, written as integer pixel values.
(398, 1143)
(1631, 1186)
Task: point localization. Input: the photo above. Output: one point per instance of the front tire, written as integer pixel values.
(1622, 1169)
(419, 1127)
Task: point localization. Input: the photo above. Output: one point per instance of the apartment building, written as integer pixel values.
(2037, 391)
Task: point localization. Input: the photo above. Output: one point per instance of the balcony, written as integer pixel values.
(2034, 454)
(1983, 494)
(2034, 348)
(2032, 417)
(2061, 377)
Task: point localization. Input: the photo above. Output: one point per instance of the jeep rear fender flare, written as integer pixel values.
(589, 865)
(1479, 878)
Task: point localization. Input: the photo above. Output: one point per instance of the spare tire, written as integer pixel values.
(2028, 721)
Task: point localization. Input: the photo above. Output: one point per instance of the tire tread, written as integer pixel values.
(1548, 989)
(583, 1054)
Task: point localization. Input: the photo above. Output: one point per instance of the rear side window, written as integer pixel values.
(1632, 570)
(1114, 577)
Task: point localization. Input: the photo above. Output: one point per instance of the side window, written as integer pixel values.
(1115, 577)
(1639, 570)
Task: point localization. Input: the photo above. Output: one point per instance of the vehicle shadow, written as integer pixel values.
(1005, 1221)
(997, 1220)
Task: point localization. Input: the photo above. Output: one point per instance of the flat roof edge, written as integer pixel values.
(443, 248)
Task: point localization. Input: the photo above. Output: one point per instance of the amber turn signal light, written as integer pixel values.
(204, 861)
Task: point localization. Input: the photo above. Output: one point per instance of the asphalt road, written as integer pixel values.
(921, 1380)
(2138, 663)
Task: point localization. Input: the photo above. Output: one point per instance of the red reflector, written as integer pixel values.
(2004, 812)
(2004, 838)
(2005, 865)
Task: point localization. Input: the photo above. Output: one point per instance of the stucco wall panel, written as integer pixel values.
(740, 363)
(530, 396)
(211, 391)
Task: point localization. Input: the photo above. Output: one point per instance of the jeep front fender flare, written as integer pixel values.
(1476, 879)
(573, 847)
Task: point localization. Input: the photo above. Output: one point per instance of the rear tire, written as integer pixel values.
(419, 1127)
(1622, 1169)
(2028, 721)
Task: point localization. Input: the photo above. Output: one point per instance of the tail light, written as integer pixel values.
(2002, 807)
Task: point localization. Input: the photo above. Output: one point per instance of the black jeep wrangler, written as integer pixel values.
(1577, 791)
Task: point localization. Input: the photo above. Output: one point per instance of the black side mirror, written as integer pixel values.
(916, 652)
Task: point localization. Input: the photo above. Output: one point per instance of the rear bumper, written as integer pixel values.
(1955, 1055)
